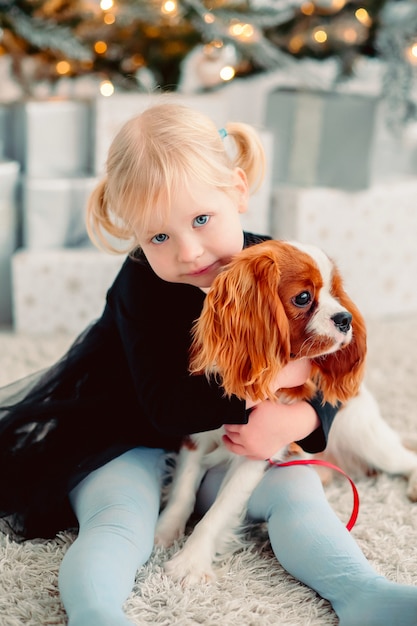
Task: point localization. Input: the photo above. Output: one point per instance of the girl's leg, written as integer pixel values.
(117, 507)
(313, 545)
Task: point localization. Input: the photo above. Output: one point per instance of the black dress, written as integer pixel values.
(123, 383)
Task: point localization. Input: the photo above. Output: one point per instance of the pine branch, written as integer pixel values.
(44, 34)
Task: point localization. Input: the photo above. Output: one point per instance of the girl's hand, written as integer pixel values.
(271, 426)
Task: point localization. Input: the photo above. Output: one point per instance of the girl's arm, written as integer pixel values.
(273, 425)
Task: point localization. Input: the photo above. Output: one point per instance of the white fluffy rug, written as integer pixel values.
(252, 588)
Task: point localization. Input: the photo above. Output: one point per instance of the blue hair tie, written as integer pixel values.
(223, 133)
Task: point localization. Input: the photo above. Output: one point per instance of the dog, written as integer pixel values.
(276, 301)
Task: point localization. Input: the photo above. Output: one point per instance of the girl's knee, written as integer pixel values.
(283, 487)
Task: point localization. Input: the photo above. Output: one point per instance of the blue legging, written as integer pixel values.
(117, 507)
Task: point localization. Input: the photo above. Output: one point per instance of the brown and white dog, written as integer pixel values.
(275, 302)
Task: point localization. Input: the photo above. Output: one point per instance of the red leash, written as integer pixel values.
(355, 510)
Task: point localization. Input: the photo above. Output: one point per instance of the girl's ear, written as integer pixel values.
(339, 375)
(242, 189)
(242, 334)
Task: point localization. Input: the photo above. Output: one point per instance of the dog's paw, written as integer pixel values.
(167, 537)
(166, 534)
(189, 571)
(412, 486)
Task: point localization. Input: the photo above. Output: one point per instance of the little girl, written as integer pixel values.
(83, 442)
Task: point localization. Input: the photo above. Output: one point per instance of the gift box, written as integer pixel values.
(9, 180)
(53, 138)
(60, 291)
(321, 138)
(5, 125)
(53, 211)
(257, 218)
(370, 234)
(111, 113)
(394, 150)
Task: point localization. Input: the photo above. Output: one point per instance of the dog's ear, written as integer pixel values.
(242, 334)
(340, 374)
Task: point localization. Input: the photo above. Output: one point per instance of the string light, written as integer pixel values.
(109, 18)
(350, 35)
(100, 47)
(105, 5)
(169, 7)
(307, 8)
(62, 68)
(337, 5)
(319, 35)
(411, 53)
(208, 18)
(227, 73)
(242, 31)
(363, 17)
(295, 44)
(106, 88)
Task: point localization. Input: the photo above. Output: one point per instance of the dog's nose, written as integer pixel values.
(342, 321)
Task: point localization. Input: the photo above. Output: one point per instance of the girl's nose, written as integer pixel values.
(189, 249)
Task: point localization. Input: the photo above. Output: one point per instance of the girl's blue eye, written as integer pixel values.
(201, 220)
(159, 238)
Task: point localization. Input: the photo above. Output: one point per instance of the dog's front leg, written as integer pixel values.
(188, 475)
(193, 564)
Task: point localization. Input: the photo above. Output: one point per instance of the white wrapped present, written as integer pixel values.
(9, 180)
(370, 234)
(60, 291)
(53, 138)
(54, 211)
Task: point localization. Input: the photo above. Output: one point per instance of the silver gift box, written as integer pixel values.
(53, 211)
(321, 139)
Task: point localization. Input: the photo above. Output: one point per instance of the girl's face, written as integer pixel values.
(201, 234)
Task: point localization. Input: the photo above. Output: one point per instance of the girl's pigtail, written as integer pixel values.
(250, 153)
(101, 224)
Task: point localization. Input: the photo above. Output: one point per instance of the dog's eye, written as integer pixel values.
(302, 299)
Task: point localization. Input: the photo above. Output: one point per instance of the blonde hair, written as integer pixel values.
(156, 153)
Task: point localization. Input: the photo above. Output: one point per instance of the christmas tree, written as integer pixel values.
(143, 44)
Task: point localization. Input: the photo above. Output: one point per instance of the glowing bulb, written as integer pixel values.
(106, 88)
(100, 47)
(105, 5)
(236, 29)
(242, 31)
(63, 67)
(307, 8)
(411, 53)
(169, 7)
(363, 17)
(109, 18)
(350, 35)
(227, 73)
(208, 18)
(320, 35)
(248, 31)
(295, 44)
